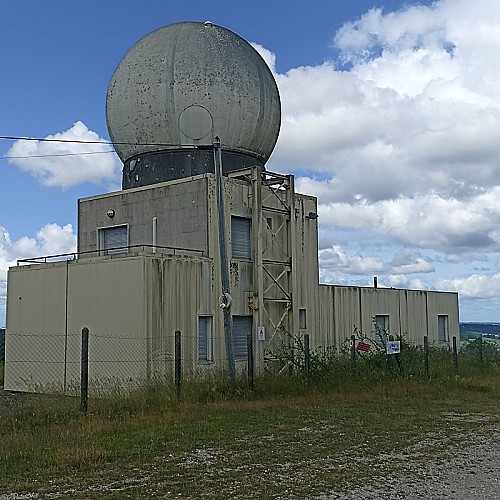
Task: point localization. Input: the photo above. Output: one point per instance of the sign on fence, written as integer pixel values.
(393, 347)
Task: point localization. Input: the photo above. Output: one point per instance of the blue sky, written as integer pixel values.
(391, 117)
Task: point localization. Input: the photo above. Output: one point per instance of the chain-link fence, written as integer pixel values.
(51, 362)
(91, 363)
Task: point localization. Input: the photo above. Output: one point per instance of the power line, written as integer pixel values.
(76, 141)
(52, 155)
(38, 139)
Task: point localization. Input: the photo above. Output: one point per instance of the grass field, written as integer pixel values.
(290, 438)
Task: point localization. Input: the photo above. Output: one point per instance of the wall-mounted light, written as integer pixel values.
(312, 216)
(110, 213)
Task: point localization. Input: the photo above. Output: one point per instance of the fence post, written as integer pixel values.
(426, 355)
(481, 360)
(250, 361)
(84, 372)
(307, 356)
(388, 357)
(353, 352)
(455, 354)
(177, 360)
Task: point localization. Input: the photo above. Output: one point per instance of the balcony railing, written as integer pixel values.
(122, 251)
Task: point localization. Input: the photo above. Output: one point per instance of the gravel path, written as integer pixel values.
(472, 473)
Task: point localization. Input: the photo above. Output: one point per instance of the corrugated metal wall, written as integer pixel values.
(412, 313)
(132, 306)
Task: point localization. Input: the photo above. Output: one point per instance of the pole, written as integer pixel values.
(66, 328)
(455, 354)
(84, 375)
(426, 355)
(307, 356)
(250, 358)
(225, 298)
(353, 352)
(177, 361)
(481, 359)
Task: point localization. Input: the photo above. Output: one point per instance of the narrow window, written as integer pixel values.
(241, 238)
(381, 328)
(242, 326)
(113, 240)
(442, 327)
(302, 319)
(205, 338)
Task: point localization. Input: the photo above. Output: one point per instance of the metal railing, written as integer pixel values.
(122, 250)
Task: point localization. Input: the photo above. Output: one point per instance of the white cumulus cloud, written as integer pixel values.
(398, 139)
(67, 164)
(475, 286)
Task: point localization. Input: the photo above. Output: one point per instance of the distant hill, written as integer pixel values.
(473, 330)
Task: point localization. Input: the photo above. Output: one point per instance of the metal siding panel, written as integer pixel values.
(447, 304)
(415, 315)
(107, 295)
(347, 312)
(380, 302)
(35, 328)
(325, 336)
(182, 301)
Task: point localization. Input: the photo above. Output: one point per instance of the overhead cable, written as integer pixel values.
(76, 141)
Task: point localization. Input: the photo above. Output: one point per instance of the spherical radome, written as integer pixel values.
(187, 83)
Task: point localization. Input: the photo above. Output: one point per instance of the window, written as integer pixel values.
(242, 326)
(442, 328)
(381, 328)
(302, 319)
(241, 238)
(112, 240)
(205, 338)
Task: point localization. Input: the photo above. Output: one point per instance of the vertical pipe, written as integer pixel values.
(66, 328)
(360, 311)
(292, 253)
(226, 306)
(375, 282)
(426, 314)
(177, 361)
(258, 268)
(84, 371)
(154, 234)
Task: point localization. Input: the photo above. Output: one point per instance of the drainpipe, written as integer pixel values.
(225, 299)
(154, 234)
